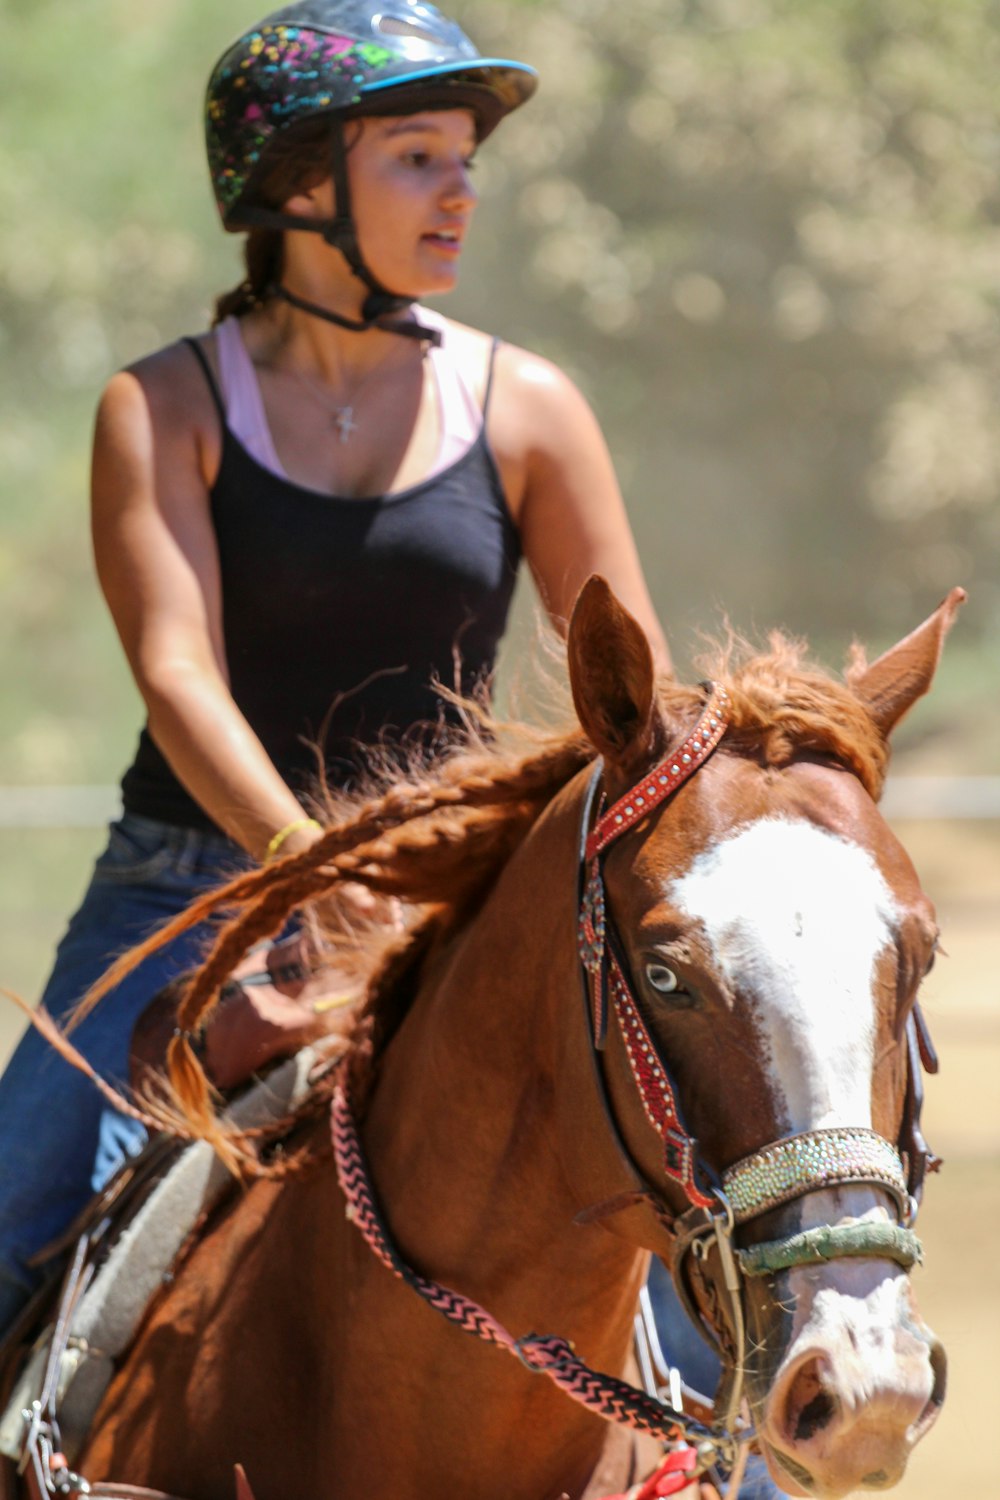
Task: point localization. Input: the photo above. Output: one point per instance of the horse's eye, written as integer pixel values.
(662, 979)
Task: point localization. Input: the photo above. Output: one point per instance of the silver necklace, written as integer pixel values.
(341, 413)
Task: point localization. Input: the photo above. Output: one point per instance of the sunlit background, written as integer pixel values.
(764, 236)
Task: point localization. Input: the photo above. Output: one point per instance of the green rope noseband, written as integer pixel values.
(833, 1242)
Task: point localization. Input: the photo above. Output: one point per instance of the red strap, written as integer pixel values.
(673, 1475)
(665, 778)
(655, 1089)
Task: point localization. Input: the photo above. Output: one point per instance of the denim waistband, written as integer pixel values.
(190, 848)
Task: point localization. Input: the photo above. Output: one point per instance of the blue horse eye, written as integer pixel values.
(662, 979)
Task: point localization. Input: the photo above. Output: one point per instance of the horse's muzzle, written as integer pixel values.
(860, 1384)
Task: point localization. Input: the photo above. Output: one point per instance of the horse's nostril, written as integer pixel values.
(814, 1417)
(939, 1367)
(809, 1406)
(939, 1364)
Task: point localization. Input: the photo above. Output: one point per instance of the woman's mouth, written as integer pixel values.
(446, 241)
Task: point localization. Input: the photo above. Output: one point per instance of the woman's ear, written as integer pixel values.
(314, 202)
(613, 678)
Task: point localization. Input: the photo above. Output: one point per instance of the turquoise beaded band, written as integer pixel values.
(808, 1163)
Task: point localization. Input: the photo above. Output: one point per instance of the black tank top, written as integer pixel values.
(338, 614)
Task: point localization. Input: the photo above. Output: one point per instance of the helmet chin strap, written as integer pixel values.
(406, 328)
(380, 307)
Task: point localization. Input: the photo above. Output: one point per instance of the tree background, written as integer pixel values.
(762, 235)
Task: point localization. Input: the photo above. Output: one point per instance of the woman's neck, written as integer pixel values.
(283, 337)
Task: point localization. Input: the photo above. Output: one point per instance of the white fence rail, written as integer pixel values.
(917, 797)
(945, 797)
(58, 806)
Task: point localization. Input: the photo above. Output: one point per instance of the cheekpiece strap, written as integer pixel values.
(808, 1163)
(655, 1088)
(605, 971)
(665, 778)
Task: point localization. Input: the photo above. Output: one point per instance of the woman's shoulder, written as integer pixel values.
(174, 376)
(537, 408)
(164, 397)
(523, 380)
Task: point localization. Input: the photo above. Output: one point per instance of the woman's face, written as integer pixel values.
(411, 196)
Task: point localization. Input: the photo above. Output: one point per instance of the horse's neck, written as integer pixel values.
(477, 1097)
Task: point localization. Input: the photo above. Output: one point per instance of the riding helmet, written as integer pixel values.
(342, 58)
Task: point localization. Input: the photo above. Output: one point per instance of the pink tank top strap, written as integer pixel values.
(461, 415)
(245, 415)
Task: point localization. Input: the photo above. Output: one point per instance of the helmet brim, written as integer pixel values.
(490, 87)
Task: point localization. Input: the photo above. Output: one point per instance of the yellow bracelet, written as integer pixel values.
(283, 833)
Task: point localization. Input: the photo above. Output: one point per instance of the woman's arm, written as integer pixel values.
(562, 488)
(158, 566)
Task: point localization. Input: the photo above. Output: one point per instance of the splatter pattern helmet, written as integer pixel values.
(342, 58)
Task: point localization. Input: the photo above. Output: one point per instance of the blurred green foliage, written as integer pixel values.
(761, 233)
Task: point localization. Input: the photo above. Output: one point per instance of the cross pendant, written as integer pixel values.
(345, 423)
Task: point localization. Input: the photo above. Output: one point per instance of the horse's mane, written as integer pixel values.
(436, 836)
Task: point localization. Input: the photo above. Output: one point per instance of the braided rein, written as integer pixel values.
(546, 1354)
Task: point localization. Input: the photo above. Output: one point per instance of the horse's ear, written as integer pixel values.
(243, 1490)
(612, 676)
(892, 684)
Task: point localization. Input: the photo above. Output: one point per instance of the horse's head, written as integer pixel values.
(773, 935)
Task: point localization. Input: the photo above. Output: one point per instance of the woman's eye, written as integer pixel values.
(662, 979)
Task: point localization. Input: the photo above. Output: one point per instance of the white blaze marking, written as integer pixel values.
(796, 918)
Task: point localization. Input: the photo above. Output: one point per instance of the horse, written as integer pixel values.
(657, 995)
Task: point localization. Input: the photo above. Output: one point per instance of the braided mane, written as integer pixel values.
(437, 837)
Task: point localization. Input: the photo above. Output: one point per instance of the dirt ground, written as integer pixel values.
(958, 1289)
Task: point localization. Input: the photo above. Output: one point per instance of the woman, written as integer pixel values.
(300, 518)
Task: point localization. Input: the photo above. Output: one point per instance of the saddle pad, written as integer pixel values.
(110, 1310)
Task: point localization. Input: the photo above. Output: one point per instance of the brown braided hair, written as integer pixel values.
(298, 158)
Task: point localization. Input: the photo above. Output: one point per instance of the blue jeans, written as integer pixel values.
(59, 1142)
(684, 1347)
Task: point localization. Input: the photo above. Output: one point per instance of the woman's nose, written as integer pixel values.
(460, 191)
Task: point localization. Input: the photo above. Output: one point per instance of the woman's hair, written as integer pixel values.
(297, 158)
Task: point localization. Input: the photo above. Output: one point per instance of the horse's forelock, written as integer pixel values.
(783, 705)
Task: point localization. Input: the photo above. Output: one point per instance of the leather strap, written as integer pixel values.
(602, 955)
(664, 779)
